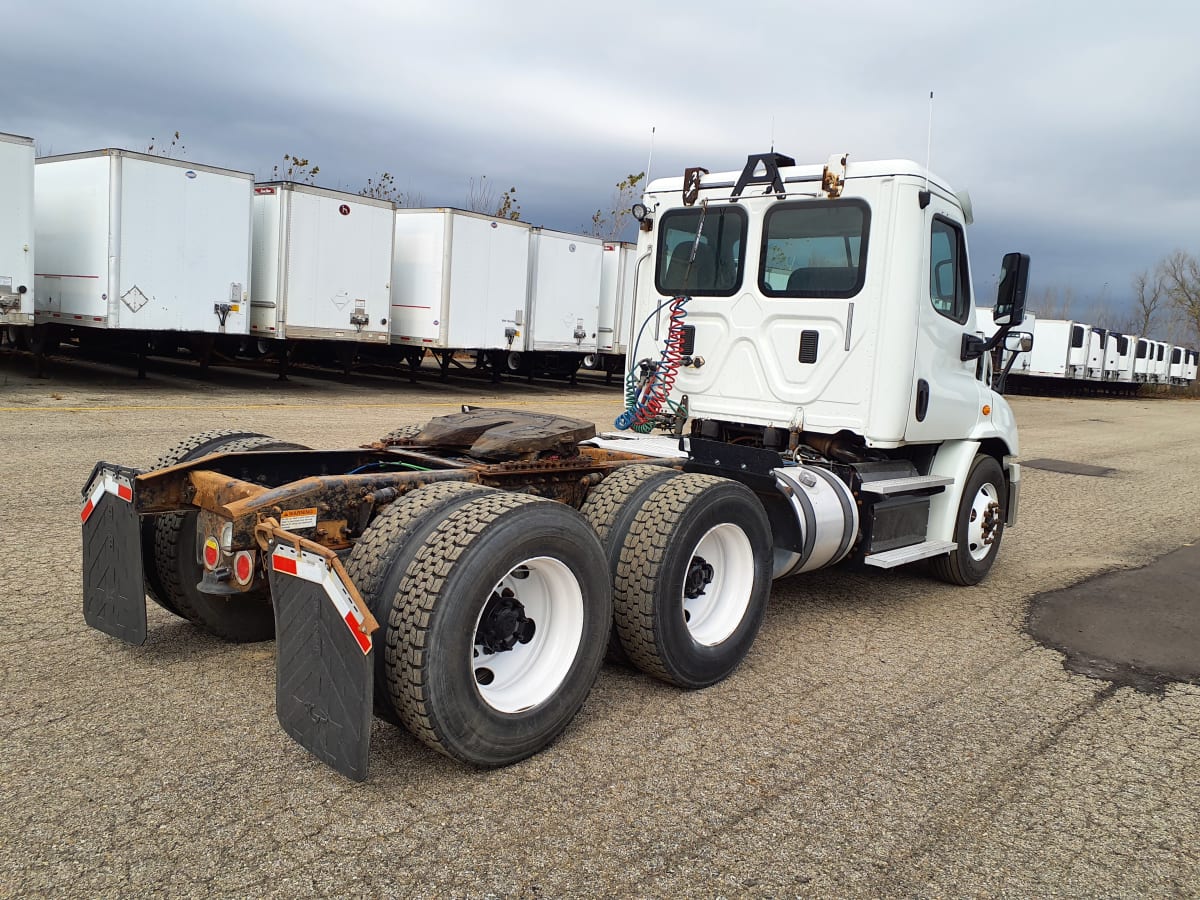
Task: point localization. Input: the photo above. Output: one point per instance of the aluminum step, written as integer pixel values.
(904, 485)
(889, 559)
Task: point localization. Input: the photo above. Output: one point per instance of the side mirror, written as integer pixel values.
(1018, 342)
(1010, 297)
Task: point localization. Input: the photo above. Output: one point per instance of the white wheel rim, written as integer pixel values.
(717, 610)
(984, 525)
(531, 673)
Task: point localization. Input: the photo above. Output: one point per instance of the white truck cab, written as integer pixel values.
(826, 314)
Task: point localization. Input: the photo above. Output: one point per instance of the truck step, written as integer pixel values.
(889, 559)
(905, 485)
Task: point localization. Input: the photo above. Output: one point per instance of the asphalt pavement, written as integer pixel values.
(888, 735)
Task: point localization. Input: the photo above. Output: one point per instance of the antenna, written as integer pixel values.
(646, 180)
(924, 196)
(929, 142)
(772, 134)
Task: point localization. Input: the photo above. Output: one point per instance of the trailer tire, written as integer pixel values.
(610, 508)
(379, 558)
(693, 641)
(172, 572)
(978, 526)
(452, 681)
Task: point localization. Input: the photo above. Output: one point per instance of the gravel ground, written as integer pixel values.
(888, 735)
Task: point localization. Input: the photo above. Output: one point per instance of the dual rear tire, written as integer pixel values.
(690, 560)
(496, 606)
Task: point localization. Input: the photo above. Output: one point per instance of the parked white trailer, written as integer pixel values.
(1112, 356)
(16, 230)
(1161, 364)
(1190, 366)
(1059, 349)
(1143, 363)
(617, 279)
(131, 241)
(1094, 365)
(460, 281)
(1176, 369)
(322, 264)
(564, 292)
(1127, 345)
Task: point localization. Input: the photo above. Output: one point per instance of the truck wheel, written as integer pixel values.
(383, 553)
(978, 527)
(609, 509)
(693, 579)
(190, 448)
(496, 633)
(175, 550)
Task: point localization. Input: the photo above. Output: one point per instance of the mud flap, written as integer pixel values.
(324, 670)
(114, 595)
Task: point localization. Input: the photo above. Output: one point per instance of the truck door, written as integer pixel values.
(946, 394)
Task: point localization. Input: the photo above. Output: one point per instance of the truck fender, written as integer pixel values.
(953, 460)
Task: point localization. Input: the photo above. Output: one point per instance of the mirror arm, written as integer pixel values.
(974, 346)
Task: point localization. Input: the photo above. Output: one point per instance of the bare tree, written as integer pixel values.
(1055, 304)
(383, 187)
(1148, 295)
(481, 198)
(609, 225)
(295, 168)
(1180, 274)
(175, 147)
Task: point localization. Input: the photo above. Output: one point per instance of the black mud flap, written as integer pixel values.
(114, 596)
(324, 670)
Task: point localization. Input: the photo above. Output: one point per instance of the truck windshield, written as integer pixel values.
(814, 249)
(714, 269)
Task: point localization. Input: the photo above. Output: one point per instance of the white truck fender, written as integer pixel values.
(953, 460)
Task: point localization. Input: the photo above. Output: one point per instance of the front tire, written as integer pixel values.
(978, 526)
(497, 631)
(693, 579)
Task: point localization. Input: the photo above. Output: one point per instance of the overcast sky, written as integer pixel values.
(1074, 125)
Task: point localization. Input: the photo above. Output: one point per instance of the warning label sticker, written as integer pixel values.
(293, 519)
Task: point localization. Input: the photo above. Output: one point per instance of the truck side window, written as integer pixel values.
(949, 281)
(710, 267)
(814, 248)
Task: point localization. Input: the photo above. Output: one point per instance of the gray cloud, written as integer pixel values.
(1070, 123)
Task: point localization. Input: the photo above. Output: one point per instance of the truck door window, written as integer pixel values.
(814, 248)
(711, 267)
(949, 281)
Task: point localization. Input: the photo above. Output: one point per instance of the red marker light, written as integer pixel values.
(212, 553)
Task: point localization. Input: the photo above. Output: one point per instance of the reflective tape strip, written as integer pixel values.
(311, 567)
(106, 482)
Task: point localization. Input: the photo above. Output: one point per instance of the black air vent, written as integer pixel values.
(809, 340)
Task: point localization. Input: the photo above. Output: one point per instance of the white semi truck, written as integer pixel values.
(805, 335)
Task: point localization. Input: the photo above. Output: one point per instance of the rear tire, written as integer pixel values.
(978, 526)
(496, 633)
(610, 508)
(693, 579)
(175, 550)
(383, 553)
(190, 448)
